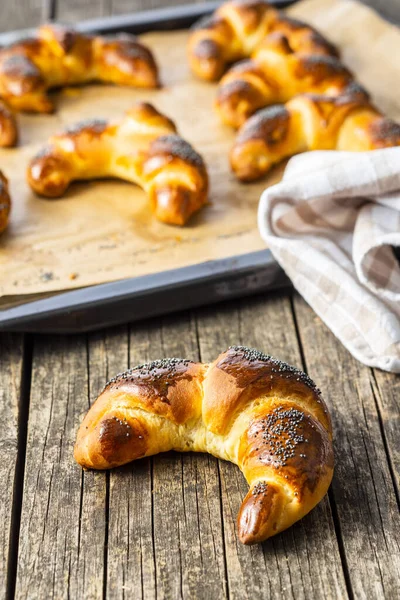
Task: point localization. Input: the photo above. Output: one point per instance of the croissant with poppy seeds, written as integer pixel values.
(309, 122)
(235, 30)
(245, 407)
(277, 72)
(142, 147)
(60, 56)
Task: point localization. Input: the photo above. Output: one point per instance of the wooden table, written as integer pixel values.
(165, 527)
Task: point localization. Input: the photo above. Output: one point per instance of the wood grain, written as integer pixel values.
(166, 527)
(304, 561)
(164, 537)
(73, 11)
(362, 488)
(63, 520)
(29, 13)
(387, 394)
(11, 363)
(389, 9)
(20, 14)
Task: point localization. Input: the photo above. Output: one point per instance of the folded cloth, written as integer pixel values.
(332, 223)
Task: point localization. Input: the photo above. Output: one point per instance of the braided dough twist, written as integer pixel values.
(230, 34)
(143, 147)
(309, 122)
(5, 202)
(278, 71)
(234, 31)
(60, 56)
(245, 407)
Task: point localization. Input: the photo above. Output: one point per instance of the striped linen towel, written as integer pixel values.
(332, 223)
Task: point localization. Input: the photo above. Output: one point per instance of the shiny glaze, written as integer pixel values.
(168, 387)
(60, 56)
(281, 441)
(292, 442)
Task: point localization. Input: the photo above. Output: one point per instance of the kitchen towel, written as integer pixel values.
(333, 224)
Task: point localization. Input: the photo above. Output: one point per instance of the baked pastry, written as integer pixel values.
(235, 30)
(8, 127)
(143, 147)
(278, 71)
(229, 34)
(245, 407)
(59, 56)
(5, 202)
(309, 122)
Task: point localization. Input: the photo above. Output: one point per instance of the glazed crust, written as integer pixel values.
(246, 407)
(143, 147)
(278, 71)
(310, 122)
(5, 202)
(237, 28)
(230, 34)
(59, 56)
(8, 127)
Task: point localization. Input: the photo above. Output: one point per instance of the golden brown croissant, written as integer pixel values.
(245, 407)
(8, 127)
(143, 148)
(277, 72)
(5, 202)
(309, 122)
(235, 30)
(60, 56)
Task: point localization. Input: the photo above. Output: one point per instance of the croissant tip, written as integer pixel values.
(249, 538)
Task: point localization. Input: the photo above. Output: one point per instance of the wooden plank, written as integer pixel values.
(11, 363)
(387, 394)
(362, 489)
(303, 562)
(74, 11)
(389, 9)
(129, 538)
(165, 536)
(61, 547)
(130, 6)
(20, 14)
(122, 7)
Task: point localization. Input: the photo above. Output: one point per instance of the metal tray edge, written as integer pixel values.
(112, 303)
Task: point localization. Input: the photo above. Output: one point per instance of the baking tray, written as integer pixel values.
(137, 298)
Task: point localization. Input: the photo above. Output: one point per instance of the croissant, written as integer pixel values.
(245, 407)
(60, 56)
(143, 148)
(8, 127)
(5, 202)
(309, 122)
(277, 72)
(235, 30)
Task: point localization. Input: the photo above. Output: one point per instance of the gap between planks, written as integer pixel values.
(17, 494)
(364, 486)
(209, 331)
(331, 497)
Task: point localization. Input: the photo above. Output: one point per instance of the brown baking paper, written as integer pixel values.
(103, 230)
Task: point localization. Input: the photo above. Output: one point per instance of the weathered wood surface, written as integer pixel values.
(304, 561)
(29, 13)
(71, 11)
(19, 14)
(363, 489)
(12, 391)
(166, 527)
(62, 532)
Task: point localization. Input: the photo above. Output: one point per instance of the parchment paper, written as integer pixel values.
(103, 230)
